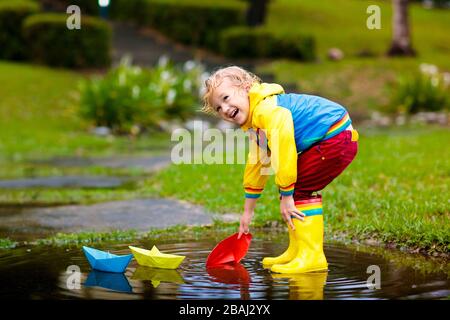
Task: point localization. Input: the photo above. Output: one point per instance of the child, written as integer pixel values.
(309, 141)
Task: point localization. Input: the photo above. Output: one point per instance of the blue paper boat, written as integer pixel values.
(105, 261)
(108, 280)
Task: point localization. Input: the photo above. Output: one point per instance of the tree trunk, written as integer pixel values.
(401, 40)
(256, 12)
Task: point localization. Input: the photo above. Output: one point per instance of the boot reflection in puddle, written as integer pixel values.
(305, 286)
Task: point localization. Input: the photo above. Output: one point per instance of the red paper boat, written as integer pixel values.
(229, 250)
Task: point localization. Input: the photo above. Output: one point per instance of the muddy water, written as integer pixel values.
(41, 273)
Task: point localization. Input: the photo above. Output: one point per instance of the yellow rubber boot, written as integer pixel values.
(305, 286)
(286, 256)
(310, 256)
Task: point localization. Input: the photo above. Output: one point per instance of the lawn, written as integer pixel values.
(362, 83)
(342, 24)
(395, 191)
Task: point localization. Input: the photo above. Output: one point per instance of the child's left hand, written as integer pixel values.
(288, 209)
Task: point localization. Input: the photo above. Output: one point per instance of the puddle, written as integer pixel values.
(41, 273)
(64, 182)
(148, 163)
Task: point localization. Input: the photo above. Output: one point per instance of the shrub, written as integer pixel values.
(426, 90)
(52, 43)
(129, 96)
(239, 42)
(89, 7)
(245, 42)
(192, 22)
(126, 10)
(12, 14)
(180, 88)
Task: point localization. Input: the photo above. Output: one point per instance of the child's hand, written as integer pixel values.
(288, 209)
(245, 223)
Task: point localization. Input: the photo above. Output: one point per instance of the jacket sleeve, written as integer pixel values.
(255, 176)
(278, 124)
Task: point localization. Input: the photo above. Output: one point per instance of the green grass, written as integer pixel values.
(394, 191)
(6, 243)
(84, 238)
(342, 24)
(362, 84)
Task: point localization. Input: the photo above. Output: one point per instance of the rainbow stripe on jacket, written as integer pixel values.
(287, 191)
(253, 193)
(338, 127)
(310, 207)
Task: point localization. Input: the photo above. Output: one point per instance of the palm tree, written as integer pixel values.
(401, 39)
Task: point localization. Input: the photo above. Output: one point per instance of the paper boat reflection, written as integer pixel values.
(156, 276)
(108, 280)
(229, 274)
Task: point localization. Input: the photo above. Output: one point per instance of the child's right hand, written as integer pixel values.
(246, 219)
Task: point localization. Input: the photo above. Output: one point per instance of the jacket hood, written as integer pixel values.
(257, 93)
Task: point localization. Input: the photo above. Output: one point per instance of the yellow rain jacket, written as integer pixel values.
(288, 124)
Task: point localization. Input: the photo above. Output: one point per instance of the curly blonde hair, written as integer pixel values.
(240, 77)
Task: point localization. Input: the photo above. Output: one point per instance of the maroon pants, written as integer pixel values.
(323, 162)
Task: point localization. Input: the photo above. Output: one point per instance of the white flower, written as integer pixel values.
(446, 77)
(135, 91)
(137, 70)
(163, 61)
(165, 75)
(154, 88)
(122, 79)
(187, 85)
(435, 81)
(428, 69)
(170, 98)
(189, 65)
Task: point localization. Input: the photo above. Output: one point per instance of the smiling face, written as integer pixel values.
(231, 102)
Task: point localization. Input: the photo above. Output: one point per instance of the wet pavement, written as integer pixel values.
(64, 182)
(146, 163)
(141, 215)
